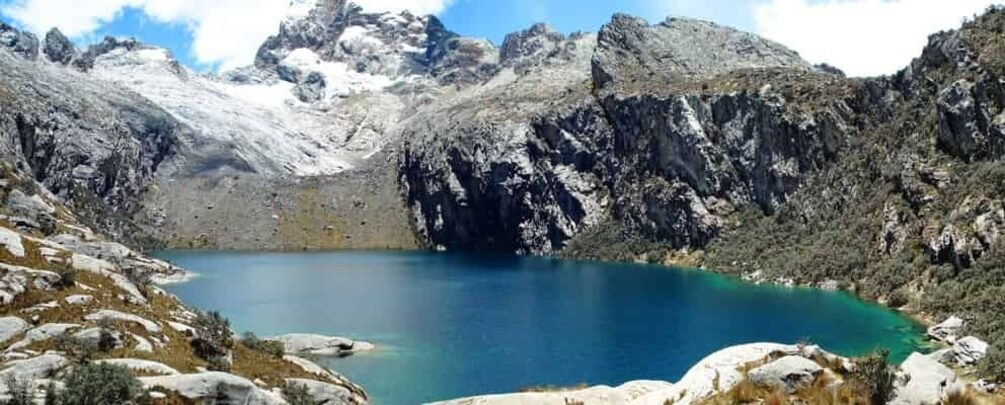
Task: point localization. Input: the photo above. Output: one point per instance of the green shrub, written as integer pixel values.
(99, 384)
(51, 394)
(213, 337)
(21, 392)
(218, 363)
(992, 366)
(106, 340)
(67, 277)
(898, 298)
(298, 394)
(270, 347)
(874, 377)
(80, 351)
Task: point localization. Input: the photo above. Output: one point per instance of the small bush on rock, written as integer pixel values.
(992, 366)
(898, 298)
(270, 347)
(51, 394)
(21, 392)
(213, 338)
(99, 384)
(218, 363)
(874, 378)
(67, 277)
(298, 394)
(80, 351)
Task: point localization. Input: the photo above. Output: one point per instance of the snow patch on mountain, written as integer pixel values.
(340, 79)
(261, 123)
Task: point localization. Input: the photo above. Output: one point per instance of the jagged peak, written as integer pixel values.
(58, 48)
(22, 43)
(629, 49)
(125, 50)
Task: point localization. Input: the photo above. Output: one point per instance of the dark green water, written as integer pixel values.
(453, 325)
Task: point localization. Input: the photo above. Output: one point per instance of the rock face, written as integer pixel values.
(214, 386)
(620, 395)
(789, 373)
(560, 158)
(630, 48)
(58, 47)
(947, 330)
(715, 374)
(971, 112)
(11, 326)
(93, 145)
(24, 44)
(969, 350)
(924, 381)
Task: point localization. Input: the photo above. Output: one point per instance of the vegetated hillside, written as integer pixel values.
(913, 210)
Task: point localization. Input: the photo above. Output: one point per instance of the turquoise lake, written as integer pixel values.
(454, 325)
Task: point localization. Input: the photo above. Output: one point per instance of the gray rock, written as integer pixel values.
(58, 130)
(58, 47)
(630, 49)
(94, 335)
(41, 333)
(924, 381)
(302, 343)
(34, 368)
(10, 327)
(11, 241)
(214, 386)
(329, 393)
(112, 315)
(539, 39)
(142, 344)
(24, 44)
(986, 386)
(311, 89)
(141, 365)
(789, 373)
(947, 330)
(969, 350)
(823, 67)
(86, 60)
(79, 299)
(965, 120)
(944, 356)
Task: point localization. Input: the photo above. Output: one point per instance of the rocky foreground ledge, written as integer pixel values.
(772, 373)
(70, 300)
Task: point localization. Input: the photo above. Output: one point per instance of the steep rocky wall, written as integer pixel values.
(528, 165)
(96, 147)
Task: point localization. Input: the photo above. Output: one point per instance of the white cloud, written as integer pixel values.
(224, 32)
(862, 37)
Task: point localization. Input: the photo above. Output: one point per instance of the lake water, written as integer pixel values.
(454, 325)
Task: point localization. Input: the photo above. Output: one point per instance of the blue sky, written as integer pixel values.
(863, 37)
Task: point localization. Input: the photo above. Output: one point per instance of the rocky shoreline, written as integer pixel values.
(72, 298)
(777, 368)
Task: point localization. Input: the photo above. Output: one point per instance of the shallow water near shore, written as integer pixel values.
(455, 325)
